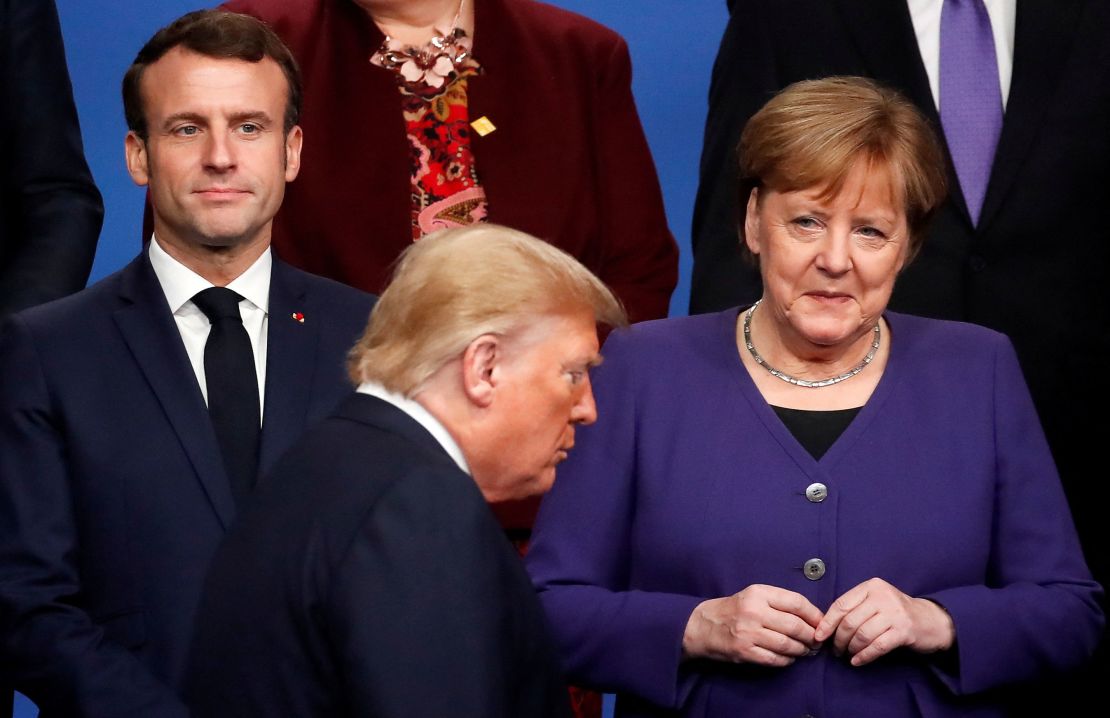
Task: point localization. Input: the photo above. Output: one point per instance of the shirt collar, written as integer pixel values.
(415, 410)
(180, 284)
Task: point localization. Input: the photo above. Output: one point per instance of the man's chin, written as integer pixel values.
(543, 482)
(219, 240)
(224, 238)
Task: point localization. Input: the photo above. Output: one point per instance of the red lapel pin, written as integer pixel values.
(299, 317)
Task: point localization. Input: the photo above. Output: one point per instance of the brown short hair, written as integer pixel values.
(813, 132)
(455, 285)
(212, 33)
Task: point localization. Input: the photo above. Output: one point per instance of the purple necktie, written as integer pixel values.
(970, 97)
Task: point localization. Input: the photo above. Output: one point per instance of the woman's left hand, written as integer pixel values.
(874, 618)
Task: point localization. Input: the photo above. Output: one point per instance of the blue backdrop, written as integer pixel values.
(672, 44)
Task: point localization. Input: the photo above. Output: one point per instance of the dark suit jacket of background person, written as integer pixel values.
(369, 578)
(50, 210)
(568, 162)
(113, 495)
(1037, 267)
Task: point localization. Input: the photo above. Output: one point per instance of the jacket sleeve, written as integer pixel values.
(430, 587)
(640, 258)
(609, 636)
(1039, 613)
(743, 79)
(58, 656)
(53, 208)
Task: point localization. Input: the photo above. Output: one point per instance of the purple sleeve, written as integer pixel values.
(609, 636)
(1039, 612)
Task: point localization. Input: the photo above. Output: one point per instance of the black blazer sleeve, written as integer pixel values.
(744, 78)
(50, 209)
(452, 634)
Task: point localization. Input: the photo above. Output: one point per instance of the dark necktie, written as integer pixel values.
(970, 96)
(232, 387)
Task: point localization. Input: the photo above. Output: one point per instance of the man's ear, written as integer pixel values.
(294, 141)
(138, 161)
(480, 364)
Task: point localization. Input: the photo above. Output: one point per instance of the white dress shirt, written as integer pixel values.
(926, 25)
(180, 284)
(422, 416)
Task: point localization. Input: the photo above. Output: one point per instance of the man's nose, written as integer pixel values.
(219, 151)
(585, 409)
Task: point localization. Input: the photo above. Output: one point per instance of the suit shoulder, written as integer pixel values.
(648, 355)
(338, 290)
(345, 474)
(559, 28)
(277, 12)
(944, 332)
(351, 460)
(952, 347)
(338, 300)
(561, 19)
(299, 23)
(85, 306)
(671, 333)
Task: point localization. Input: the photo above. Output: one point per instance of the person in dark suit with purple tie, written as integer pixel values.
(123, 454)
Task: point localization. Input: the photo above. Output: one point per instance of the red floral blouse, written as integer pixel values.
(446, 191)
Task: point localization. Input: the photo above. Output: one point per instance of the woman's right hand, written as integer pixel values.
(762, 624)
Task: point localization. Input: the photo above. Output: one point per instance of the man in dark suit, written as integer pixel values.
(1032, 259)
(369, 577)
(115, 481)
(50, 210)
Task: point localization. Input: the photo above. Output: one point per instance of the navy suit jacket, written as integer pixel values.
(113, 495)
(50, 210)
(368, 577)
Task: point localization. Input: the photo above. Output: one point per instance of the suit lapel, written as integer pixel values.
(290, 363)
(152, 336)
(1043, 34)
(884, 37)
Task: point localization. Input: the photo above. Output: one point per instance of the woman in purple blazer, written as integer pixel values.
(813, 506)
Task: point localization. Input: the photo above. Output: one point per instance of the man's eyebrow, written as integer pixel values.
(584, 362)
(258, 116)
(184, 117)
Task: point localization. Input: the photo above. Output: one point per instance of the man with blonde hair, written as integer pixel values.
(370, 577)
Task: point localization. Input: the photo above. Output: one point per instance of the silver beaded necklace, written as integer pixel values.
(805, 382)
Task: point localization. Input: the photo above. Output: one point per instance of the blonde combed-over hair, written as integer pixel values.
(455, 285)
